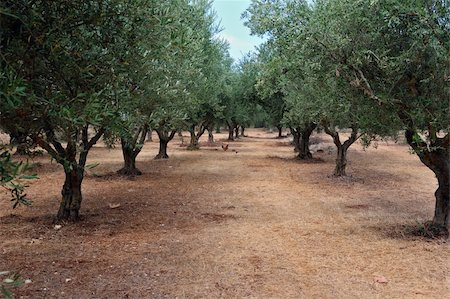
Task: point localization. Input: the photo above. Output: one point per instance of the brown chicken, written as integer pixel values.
(225, 147)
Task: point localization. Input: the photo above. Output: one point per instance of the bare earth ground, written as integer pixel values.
(248, 224)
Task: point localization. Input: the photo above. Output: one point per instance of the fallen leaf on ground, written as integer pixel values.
(114, 206)
(380, 279)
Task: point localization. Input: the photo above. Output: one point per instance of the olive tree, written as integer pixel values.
(394, 52)
(67, 54)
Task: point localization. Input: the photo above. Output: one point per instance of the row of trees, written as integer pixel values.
(374, 67)
(73, 72)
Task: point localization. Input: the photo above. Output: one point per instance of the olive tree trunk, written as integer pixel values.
(436, 156)
(129, 162)
(236, 132)
(195, 137)
(296, 138)
(242, 131)
(71, 196)
(303, 143)
(230, 131)
(164, 138)
(280, 131)
(131, 147)
(69, 208)
(162, 154)
(342, 148)
(210, 135)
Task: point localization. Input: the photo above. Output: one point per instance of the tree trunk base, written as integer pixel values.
(339, 173)
(304, 156)
(70, 204)
(67, 215)
(161, 156)
(431, 230)
(129, 171)
(193, 147)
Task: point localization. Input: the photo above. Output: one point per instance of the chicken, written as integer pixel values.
(225, 147)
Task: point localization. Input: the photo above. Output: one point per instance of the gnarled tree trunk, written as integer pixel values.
(210, 135)
(162, 154)
(242, 131)
(230, 131)
(341, 158)
(303, 144)
(341, 161)
(236, 131)
(129, 162)
(296, 138)
(193, 144)
(435, 156)
(69, 208)
(280, 131)
(164, 139)
(131, 147)
(195, 137)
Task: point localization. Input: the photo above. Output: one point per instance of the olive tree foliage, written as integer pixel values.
(205, 108)
(395, 52)
(68, 55)
(269, 86)
(380, 63)
(240, 97)
(142, 78)
(193, 72)
(157, 67)
(280, 82)
(313, 90)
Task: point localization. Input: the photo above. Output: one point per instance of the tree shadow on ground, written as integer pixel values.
(411, 232)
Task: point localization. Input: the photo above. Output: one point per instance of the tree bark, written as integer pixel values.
(236, 132)
(296, 141)
(164, 139)
(193, 144)
(441, 211)
(129, 159)
(303, 144)
(162, 154)
(131, 147)
(210, 135)
(195, 137)
(149, 135)
(242, 131)
(69, 208)
(280, 131)
(341, 158)
(341, 161)
(436, 157)
(230, 132)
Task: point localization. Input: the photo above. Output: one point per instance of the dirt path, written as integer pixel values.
(251, 224)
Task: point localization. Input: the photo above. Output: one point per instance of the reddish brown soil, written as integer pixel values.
(251, 222)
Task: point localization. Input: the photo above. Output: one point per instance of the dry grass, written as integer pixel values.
(215, 224)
